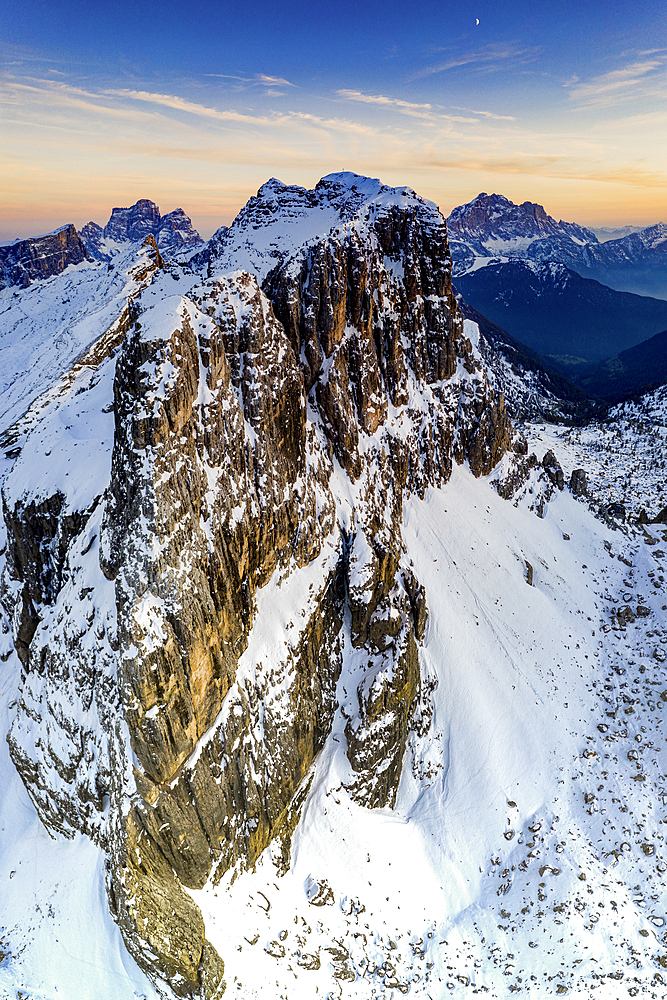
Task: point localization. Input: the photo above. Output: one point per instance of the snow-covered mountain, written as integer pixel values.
(491, 227)
(172, 232)
(288, 603)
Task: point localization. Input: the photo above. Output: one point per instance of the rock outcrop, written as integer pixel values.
(579, 482)
(25, 261)
(268, 415)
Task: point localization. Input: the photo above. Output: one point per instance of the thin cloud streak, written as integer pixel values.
(356, 95)
(260, 79)
(424, 112)
(619, 84)
(486, 58)
(180, 104)
(489, 114)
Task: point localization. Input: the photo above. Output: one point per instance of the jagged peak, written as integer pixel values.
(282, 218)
(139, 205)
(173, 231)
(489, 218)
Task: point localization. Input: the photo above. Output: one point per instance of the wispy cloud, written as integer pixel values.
(488, 58)
(285, 119)
(259, 79)
(49, 94)
(356, 95)
(634, 79)
(273, 80)
(190, 107)
(489, 114)
(426, 112)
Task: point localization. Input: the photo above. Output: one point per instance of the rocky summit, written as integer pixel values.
(300, 649)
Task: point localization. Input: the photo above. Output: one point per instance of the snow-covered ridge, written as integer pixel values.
(281, 219)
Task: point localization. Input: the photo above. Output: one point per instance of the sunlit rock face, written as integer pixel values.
(226, 548)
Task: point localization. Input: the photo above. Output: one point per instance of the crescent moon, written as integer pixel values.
(476, 20)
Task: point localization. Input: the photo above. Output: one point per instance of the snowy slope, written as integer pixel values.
(44, 327)
(497, 867)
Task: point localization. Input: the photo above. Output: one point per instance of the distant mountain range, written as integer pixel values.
(41, 257)
(606, 233)
(558, 313)
(524, 277)
(492, 226)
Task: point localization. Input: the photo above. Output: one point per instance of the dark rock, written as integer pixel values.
(176, 231)
(579, 482)
(553, 470)
(660, 518)
(625, 615)
(614, 512)
(40, 257)
(172, 232)
(93, 236)
(135, 223)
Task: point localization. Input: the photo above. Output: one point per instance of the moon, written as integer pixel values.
(476, 20)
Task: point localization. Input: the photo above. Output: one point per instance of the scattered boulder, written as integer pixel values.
(579, 482)
(614, 512)
(625, 616)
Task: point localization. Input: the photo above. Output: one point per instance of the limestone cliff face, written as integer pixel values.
(267, 415)
(24, 261)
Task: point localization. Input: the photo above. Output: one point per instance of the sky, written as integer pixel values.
(195, 106)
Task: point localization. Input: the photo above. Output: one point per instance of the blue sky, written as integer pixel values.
(105, 103)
